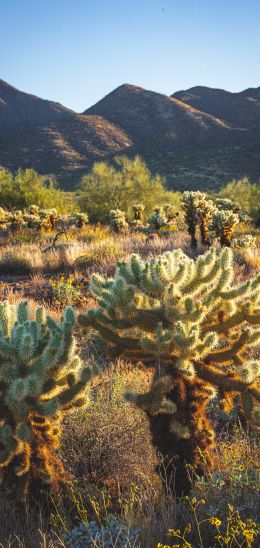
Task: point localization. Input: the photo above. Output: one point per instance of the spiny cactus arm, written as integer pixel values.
(239, 346)
(155, 401)
(234, 320)
(226, 379)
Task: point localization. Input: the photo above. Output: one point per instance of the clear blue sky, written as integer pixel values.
(77, 51)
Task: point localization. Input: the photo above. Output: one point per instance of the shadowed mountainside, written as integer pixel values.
(199, 138)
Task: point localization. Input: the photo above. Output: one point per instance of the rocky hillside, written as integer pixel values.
(240, 110)
(53, 139)
(198, 138)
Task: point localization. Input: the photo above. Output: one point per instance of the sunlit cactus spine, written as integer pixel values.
(195, 324)
(117, 220)
(223, 224)
(41, 379)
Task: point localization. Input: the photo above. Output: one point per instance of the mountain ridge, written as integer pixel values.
(197, 137)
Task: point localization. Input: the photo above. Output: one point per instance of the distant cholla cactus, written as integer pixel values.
(197, 211)
(138, 210)
(158, 219)
(41, 379)
(169, 212)
(33, 210)
(16, 220)
(196, 326)
(228, 205)
(4, 218)
(48, 218)
(225, 204)
(79, 219)
(223, 224)
(245, 242)
(205, 212)
(117, 220)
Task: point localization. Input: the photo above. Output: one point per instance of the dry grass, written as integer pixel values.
(107, 448)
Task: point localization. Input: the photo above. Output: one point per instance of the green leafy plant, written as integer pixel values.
(66, 290)
(41, 379)
(197, 325)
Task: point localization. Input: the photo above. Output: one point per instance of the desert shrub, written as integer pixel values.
(246, 194)
(13, 264)
(101, 253)
(27, 187)
(65, 290)
(190, 317)
(129, 182)
(111, 533)
(108, 445)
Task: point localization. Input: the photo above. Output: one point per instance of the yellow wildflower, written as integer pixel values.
(249, 534)
(215, 521)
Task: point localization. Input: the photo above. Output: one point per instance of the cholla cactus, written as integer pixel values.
(41, 378)
(138, 210)
(205, 212)
(225, 204)
(33, 210)
(196, 325)
(223, 224)
(228, 205)
(117, 220)
(16, 220)
(4, 218)
(48, 218)
(245, 242)
(196, 211)
(158, 219)
(169, 212)
(79, 219)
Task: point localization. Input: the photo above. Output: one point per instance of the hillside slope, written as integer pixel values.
(198, 138)
(51, 138)
(240, 110)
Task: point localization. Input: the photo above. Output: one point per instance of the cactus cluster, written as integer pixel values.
(117, 220)
(138, 210)
(198, 212)
(196, 325)
(41, 379)
(222, 224)
(218, 219)
(78, 219)
(245, 242)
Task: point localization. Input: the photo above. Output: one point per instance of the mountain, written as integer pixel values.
(198, 138)
(51, 138)
(241, 110)
(191, 146)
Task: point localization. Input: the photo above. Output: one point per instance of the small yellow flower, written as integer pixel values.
(241, 468)
(249, 534)
(215, 521)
